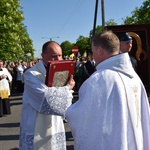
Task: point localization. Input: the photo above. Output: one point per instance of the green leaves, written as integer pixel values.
(14, 39)
(139, 15)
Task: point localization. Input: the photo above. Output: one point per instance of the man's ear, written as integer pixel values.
(100, 51)
(42, 55)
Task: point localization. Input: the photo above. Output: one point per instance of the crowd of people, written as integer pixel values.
(11, 82)
(112, 111)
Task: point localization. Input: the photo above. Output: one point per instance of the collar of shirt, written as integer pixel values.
(45, 65)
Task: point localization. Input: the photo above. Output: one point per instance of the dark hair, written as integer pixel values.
(46, 45)
(1, 61)
(107, 40)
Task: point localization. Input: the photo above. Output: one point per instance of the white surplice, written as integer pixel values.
(112, 112)
(43, 111)
(5, 83)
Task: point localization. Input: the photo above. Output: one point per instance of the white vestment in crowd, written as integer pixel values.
(5, 83)
(43, 111)
(112, 112)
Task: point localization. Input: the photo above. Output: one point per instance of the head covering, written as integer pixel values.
(124, 37)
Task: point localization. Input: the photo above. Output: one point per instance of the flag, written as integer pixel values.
(72, 55)
(85, 54)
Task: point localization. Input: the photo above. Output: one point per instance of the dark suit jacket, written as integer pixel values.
(88, 70)
(134, 63)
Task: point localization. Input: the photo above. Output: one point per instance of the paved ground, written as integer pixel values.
(9, 127)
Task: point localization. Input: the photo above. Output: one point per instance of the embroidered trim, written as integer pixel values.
(56, 103)
(26, 141)
(58, 142)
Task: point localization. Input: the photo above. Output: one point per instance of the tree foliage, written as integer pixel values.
(110, 22)
(14, 39)
(139, 15)
(97, 30)
(66, 48)
(83, 44)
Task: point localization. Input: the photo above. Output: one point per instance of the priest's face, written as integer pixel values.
(53, 52)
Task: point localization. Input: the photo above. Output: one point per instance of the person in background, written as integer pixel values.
(10, 67)
(78, 73)
(88, 67)
(5, 79)
(19, 80)
(126, 46)
(29, 65)
(43, 109)
(14, 80)
(112, 112)
(77, 61)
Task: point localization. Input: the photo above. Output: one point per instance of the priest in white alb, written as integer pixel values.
(112, 112)
(44, 107)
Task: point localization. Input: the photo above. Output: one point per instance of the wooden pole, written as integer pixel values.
(103, 14)
(95, 18)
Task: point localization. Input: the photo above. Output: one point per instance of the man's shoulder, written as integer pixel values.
(35, 68)
(87, 63)
(5, 69)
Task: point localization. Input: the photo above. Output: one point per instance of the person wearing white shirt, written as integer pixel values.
(43, 109)
(19, 79)
(5, 80)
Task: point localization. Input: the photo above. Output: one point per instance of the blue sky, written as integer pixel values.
(68, 19)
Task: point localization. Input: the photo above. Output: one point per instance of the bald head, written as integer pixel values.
(51, 50)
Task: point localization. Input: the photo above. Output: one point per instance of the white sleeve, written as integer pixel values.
(46, 100)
